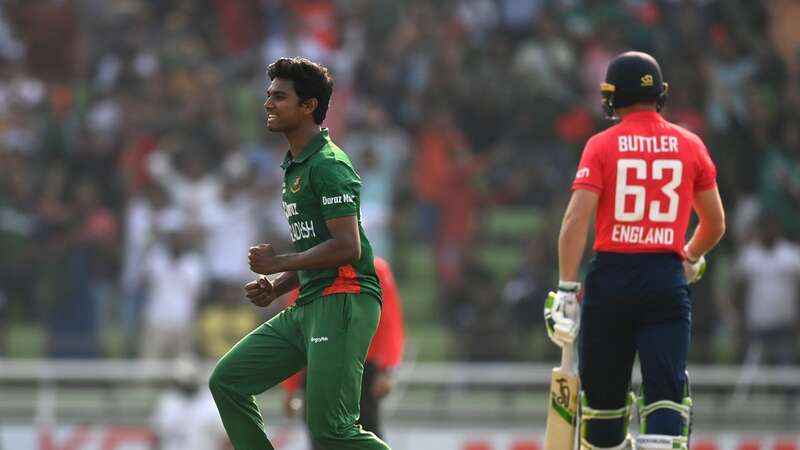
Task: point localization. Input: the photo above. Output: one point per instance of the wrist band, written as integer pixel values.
(689, 259)
(569, 286)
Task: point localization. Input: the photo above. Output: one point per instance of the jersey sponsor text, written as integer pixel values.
(303, 230)
(339, 199)
(640, 234)
(290, 209)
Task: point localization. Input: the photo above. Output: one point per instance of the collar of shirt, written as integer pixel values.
(313, 146)
(640, 116)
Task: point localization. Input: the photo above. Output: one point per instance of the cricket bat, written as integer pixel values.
(562, 408)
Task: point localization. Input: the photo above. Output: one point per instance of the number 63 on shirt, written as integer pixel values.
(645, 197)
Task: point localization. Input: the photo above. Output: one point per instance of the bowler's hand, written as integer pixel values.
(260, 292)
(263, 259)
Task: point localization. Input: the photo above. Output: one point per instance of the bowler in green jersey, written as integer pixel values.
(329, 329)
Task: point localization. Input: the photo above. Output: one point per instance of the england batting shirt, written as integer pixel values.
(321, 184)
(646, 171)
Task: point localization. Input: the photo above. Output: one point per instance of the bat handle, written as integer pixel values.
(566, 357)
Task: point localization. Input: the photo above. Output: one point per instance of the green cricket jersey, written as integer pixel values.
(319, 185)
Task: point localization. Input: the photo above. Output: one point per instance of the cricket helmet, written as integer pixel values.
(632, 77)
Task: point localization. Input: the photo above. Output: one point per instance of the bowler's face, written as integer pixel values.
(284, 111)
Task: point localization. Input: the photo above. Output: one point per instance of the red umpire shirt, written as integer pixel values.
(386, 348)
(646, 171)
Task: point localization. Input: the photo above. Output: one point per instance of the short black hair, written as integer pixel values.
(311, 80)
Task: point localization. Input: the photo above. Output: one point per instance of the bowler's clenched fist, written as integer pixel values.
(260, 292)
(263, 259)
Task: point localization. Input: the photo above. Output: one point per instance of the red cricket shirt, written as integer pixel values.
(646, 171)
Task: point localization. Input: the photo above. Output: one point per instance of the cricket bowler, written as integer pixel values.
(328, 330)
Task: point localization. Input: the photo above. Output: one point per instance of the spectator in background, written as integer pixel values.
(227, 318)
(598, 50)
(459, 216)
(192, 186)
(543, 61)
(384, 355)
(729, 70)
(524, 293)
(437, 142)
(85, 258)
(175, 278)
(51, 34)
(446, 173)
(779, 187)
(185, 416)
(683, 111)
(10, 47)
(477, 17)
(785, 37)
(55, 216)
(145, 209)
(378, 149)
(517, 14)
(99, 233)
(481, 325)
(19, 228)
(231, 224)
(238, 23)
(769, 267)
(293, 42)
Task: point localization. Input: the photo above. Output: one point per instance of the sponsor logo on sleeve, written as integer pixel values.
(337, 200)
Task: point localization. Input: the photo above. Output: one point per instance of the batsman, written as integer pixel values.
(640, 179)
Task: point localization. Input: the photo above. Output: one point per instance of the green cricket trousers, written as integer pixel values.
(329, 336)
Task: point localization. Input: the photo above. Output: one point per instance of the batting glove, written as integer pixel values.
(562, 313)
(694, 268)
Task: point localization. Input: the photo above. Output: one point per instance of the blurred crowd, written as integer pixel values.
(135, 170)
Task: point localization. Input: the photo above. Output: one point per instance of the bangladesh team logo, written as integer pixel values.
(296, 186)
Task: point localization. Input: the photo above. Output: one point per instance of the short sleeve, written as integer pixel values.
(337, 187)
(590, 169)
(707, 172)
